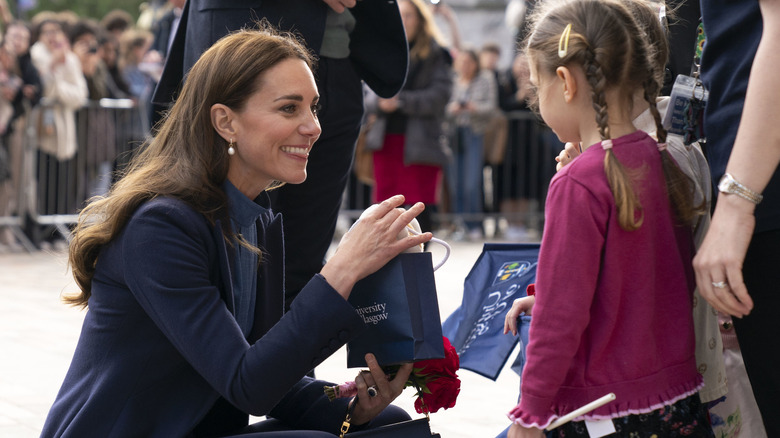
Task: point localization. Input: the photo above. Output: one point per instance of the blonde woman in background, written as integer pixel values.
(406, 135)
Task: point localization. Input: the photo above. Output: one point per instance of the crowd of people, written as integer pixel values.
(52, 67)
(67, 63)
(446, 140)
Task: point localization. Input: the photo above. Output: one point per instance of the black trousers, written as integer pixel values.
(310, 209)
(759, 332)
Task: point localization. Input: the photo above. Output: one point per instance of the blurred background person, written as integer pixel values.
(16, 44)
(64, 92)
(116, 22)
(96, 124)
(10, 83)
(141, 69)
(496, 130)
(164, 29)
(474, 99)
(513, 182)
(406, 134)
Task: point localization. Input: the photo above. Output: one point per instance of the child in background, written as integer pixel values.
(603, 322)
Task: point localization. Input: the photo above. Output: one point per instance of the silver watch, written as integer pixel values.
(729, 185)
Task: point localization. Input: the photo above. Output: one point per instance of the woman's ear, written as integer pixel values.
(222, 119)
(569, 83)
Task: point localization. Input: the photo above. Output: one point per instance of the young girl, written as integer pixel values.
(614, 282)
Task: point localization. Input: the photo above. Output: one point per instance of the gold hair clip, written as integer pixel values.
(563, 44)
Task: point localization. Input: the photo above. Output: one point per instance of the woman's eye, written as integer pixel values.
(315, 109)
(289, 109)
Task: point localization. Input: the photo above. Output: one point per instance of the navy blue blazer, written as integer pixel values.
(160, 345)
(378, 47)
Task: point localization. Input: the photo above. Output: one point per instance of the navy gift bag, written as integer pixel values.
(500, 275)
(399, 306)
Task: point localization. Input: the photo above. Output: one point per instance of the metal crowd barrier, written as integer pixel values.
(52, 191)
(55, 189)
(13, 218)
(523, 175)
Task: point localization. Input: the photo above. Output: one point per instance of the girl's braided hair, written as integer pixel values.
(615, 52)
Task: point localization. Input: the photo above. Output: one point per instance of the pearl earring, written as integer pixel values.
(231, 149)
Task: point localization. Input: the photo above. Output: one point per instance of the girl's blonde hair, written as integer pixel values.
(187, 159)
(615, 54)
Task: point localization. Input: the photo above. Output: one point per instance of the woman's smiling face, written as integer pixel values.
(275, 129)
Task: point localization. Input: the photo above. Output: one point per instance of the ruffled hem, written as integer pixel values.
(611, 410)
(541, 425)
(621, 410)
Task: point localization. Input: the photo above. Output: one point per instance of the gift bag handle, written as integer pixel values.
(446, 246)
(414, 228)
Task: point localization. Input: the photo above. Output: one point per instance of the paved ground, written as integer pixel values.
(38, 335)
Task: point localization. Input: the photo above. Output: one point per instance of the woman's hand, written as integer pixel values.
(386, 390)
(371, 243)
(518, 431)
(718, 263)
(519, 306)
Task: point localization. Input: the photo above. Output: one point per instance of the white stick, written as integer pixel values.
(582, 411)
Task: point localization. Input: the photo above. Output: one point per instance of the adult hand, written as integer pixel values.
(569, 152)
(371, 243)
(721, 256)
(519, 306)
(340, 5)
(88, 59)
(518, 431)
(388, 105)
(386, 390)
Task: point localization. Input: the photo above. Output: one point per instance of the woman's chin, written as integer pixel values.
(298, 179)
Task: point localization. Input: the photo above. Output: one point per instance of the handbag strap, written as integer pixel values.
(348, 419)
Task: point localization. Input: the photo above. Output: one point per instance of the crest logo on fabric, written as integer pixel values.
(510, 270)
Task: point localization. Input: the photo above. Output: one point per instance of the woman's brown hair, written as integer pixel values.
(187, 159)
(427, 32)
(615, 53)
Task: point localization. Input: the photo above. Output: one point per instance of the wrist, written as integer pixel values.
(339, 278)
(729, 185)
(735, 205)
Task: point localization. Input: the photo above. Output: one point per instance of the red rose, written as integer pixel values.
(442, 393)
(440, 367)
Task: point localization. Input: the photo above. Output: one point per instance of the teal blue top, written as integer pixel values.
(244, 214)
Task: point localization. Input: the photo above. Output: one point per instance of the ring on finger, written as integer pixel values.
(719, 284)
(372, 391)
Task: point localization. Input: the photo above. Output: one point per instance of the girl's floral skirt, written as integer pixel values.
(686, 418)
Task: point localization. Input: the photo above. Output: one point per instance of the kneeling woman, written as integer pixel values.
(181, 266)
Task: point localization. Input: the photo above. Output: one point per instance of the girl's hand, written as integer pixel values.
(518, 431)
(569, 152)
(386, 390)
(371, 243)
(519, 306)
